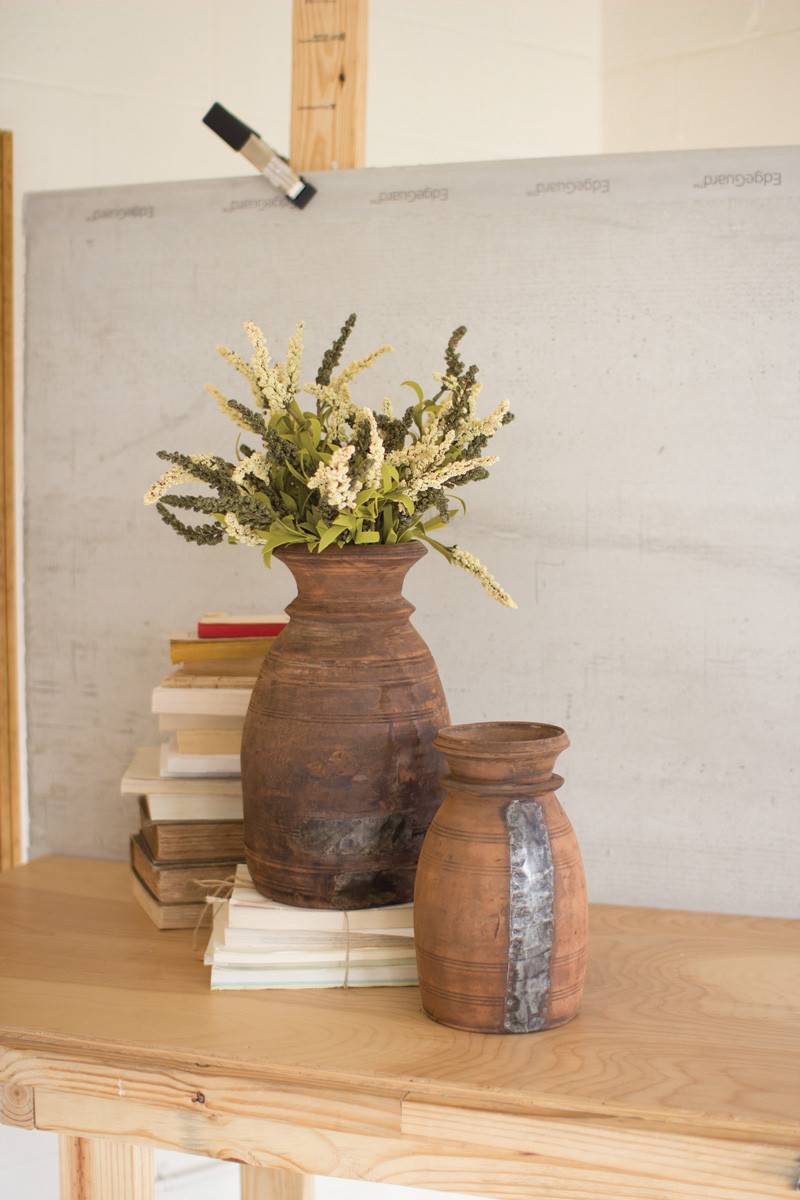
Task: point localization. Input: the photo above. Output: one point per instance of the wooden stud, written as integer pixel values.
(329, 84)
(10, 837)
(572, 1160)
(95, 1169)
(265, 1183)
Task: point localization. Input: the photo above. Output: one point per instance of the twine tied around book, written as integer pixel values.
(220, 890)
(346, 980)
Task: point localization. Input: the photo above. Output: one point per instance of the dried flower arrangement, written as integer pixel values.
(341, 474)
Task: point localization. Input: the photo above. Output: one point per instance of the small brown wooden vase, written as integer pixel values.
(339, 775)
(500, 909)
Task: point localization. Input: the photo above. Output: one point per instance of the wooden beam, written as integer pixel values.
(271, 1183)
(485, 1154)
(329, 84)
(10, 837)
(94, 1169)
(16, 1105)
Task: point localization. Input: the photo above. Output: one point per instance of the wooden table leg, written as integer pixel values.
(268, 1183)
(99, 1169)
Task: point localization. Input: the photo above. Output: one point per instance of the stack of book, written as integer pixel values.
(258, 943)
(189, 787)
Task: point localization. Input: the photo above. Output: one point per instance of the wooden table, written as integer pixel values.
(679, 1081)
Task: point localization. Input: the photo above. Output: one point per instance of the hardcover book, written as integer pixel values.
(173, 839)
(228, 625)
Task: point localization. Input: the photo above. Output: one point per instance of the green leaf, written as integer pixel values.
(367, 505)
(296, 474)
(281, 423)
(411, 531)
(289, 502)
(281, 534)
(434, 523)
(390, 476)
(443, 550)
(275, 540)
(415, 388)
(346, 521)
(367, 535)
(327, 535)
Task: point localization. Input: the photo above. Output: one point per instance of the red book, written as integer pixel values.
(224, 625)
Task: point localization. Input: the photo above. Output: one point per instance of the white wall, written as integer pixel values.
(694, 74)
(461, 80)
(98, 92)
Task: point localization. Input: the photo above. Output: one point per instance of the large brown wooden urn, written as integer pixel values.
(500, 910)
(339, 773)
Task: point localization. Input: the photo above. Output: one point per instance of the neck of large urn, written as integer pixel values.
(351, 583)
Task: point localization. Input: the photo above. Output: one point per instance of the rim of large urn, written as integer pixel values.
(401, 552)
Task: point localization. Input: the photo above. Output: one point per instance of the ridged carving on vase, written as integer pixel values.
(500, 909)
(339, 773)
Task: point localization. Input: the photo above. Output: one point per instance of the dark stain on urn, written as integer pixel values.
(368, 889)
(368, 837)
(339, 774)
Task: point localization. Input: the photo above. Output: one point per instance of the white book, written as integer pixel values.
(317, 959)
(171, 722)
(208, 741)
(395, 952)
(223, 618)
(295, 977)
(201, 701)
(143, 778)
(259, 939)
(302, 960)
(194, 808)
(175, 765)
(248, 909)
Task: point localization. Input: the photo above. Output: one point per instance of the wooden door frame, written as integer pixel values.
(10, 814)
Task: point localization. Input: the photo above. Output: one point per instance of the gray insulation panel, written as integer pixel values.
(640, 312)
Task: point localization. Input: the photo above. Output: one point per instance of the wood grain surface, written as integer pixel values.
(92, 1169)
(573, 1168)
(263, 1183)
(329, 84)
(16, 1105)
(678, 1080)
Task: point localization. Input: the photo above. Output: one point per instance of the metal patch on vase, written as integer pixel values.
(530, 921)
